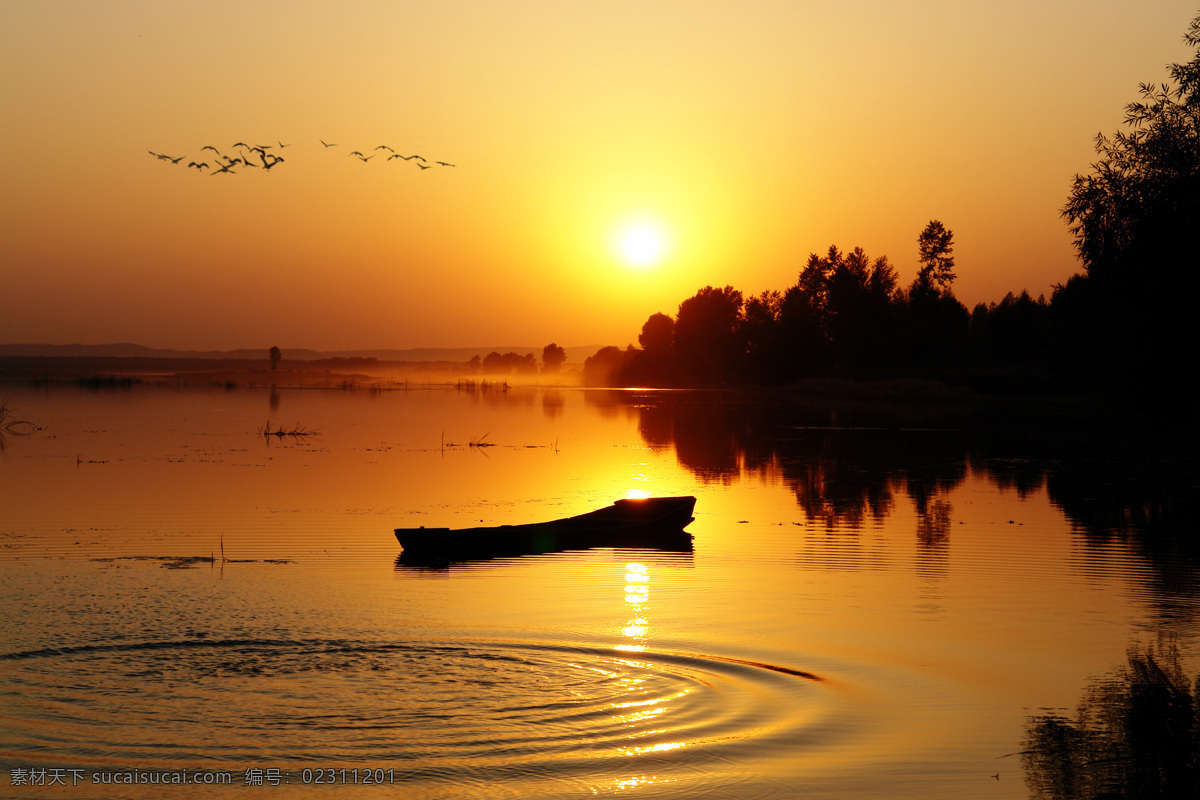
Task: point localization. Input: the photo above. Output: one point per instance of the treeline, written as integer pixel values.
(848, 315)
(1125, 325)
(511, 363)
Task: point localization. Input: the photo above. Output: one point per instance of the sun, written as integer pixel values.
(641, 244)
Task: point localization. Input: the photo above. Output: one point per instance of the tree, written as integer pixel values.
(603, 366)
(275, 354)
(706, 334)
(935, 247)
(658, 334)
(654, 364)
(496, 364)
(1135, 219)
(851, 299)
(762, 335)
(935, 322)
(1139, 210)
(553, 357)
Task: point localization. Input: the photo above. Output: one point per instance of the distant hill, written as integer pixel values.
(127, 350)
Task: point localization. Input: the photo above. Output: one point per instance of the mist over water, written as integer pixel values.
(873, 606)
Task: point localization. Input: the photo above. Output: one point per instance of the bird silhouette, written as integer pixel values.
(444, 164)
(201, 165)
(282, 145)
(327, 144)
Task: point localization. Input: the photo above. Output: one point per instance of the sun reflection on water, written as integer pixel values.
(637, 594)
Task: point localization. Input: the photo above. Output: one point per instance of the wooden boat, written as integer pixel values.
(656, 522)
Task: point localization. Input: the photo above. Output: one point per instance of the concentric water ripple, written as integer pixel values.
(469, 711)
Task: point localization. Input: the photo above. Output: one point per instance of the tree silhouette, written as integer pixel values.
(1135, 219)
(603, 366)
(658, 334)
(496, 364)
(706, 334)
(1139, 210)
(935, 323)
(654, 364)
(935, 246)
(275, 354)
(553, 357)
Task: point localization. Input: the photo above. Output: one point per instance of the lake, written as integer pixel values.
(876, 603)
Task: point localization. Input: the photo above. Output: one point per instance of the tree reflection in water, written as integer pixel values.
(848, 466)
(1134, 736)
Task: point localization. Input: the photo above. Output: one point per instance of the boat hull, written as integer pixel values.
(656, 522)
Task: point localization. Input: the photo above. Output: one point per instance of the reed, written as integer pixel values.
(280, 432)
(10, 424)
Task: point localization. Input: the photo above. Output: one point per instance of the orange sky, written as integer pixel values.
(750, 133)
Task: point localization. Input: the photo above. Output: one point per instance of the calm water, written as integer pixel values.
(874, 607)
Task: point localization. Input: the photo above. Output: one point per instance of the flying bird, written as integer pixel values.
(201, 165)
(282, 145)
(384, 147)
(444, 164)
(327, 144)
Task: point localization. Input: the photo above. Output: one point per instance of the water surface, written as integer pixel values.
(874, 605)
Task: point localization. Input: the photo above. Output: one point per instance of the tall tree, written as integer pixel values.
(706, 334)
(553, 357)
(934, 321)
(1139, 209)
(658, 334)
(1135, 220)
(935, 247)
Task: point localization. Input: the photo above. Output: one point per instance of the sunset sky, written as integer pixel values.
(733, 138)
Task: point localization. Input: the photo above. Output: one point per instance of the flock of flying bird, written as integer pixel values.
(260, 157)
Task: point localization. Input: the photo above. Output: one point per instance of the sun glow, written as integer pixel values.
(641, 244)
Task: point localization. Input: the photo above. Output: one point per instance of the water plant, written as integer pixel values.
(10, 425)
(280, 432)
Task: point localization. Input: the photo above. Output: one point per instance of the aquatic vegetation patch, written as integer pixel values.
(296, 431)
(188, 562)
